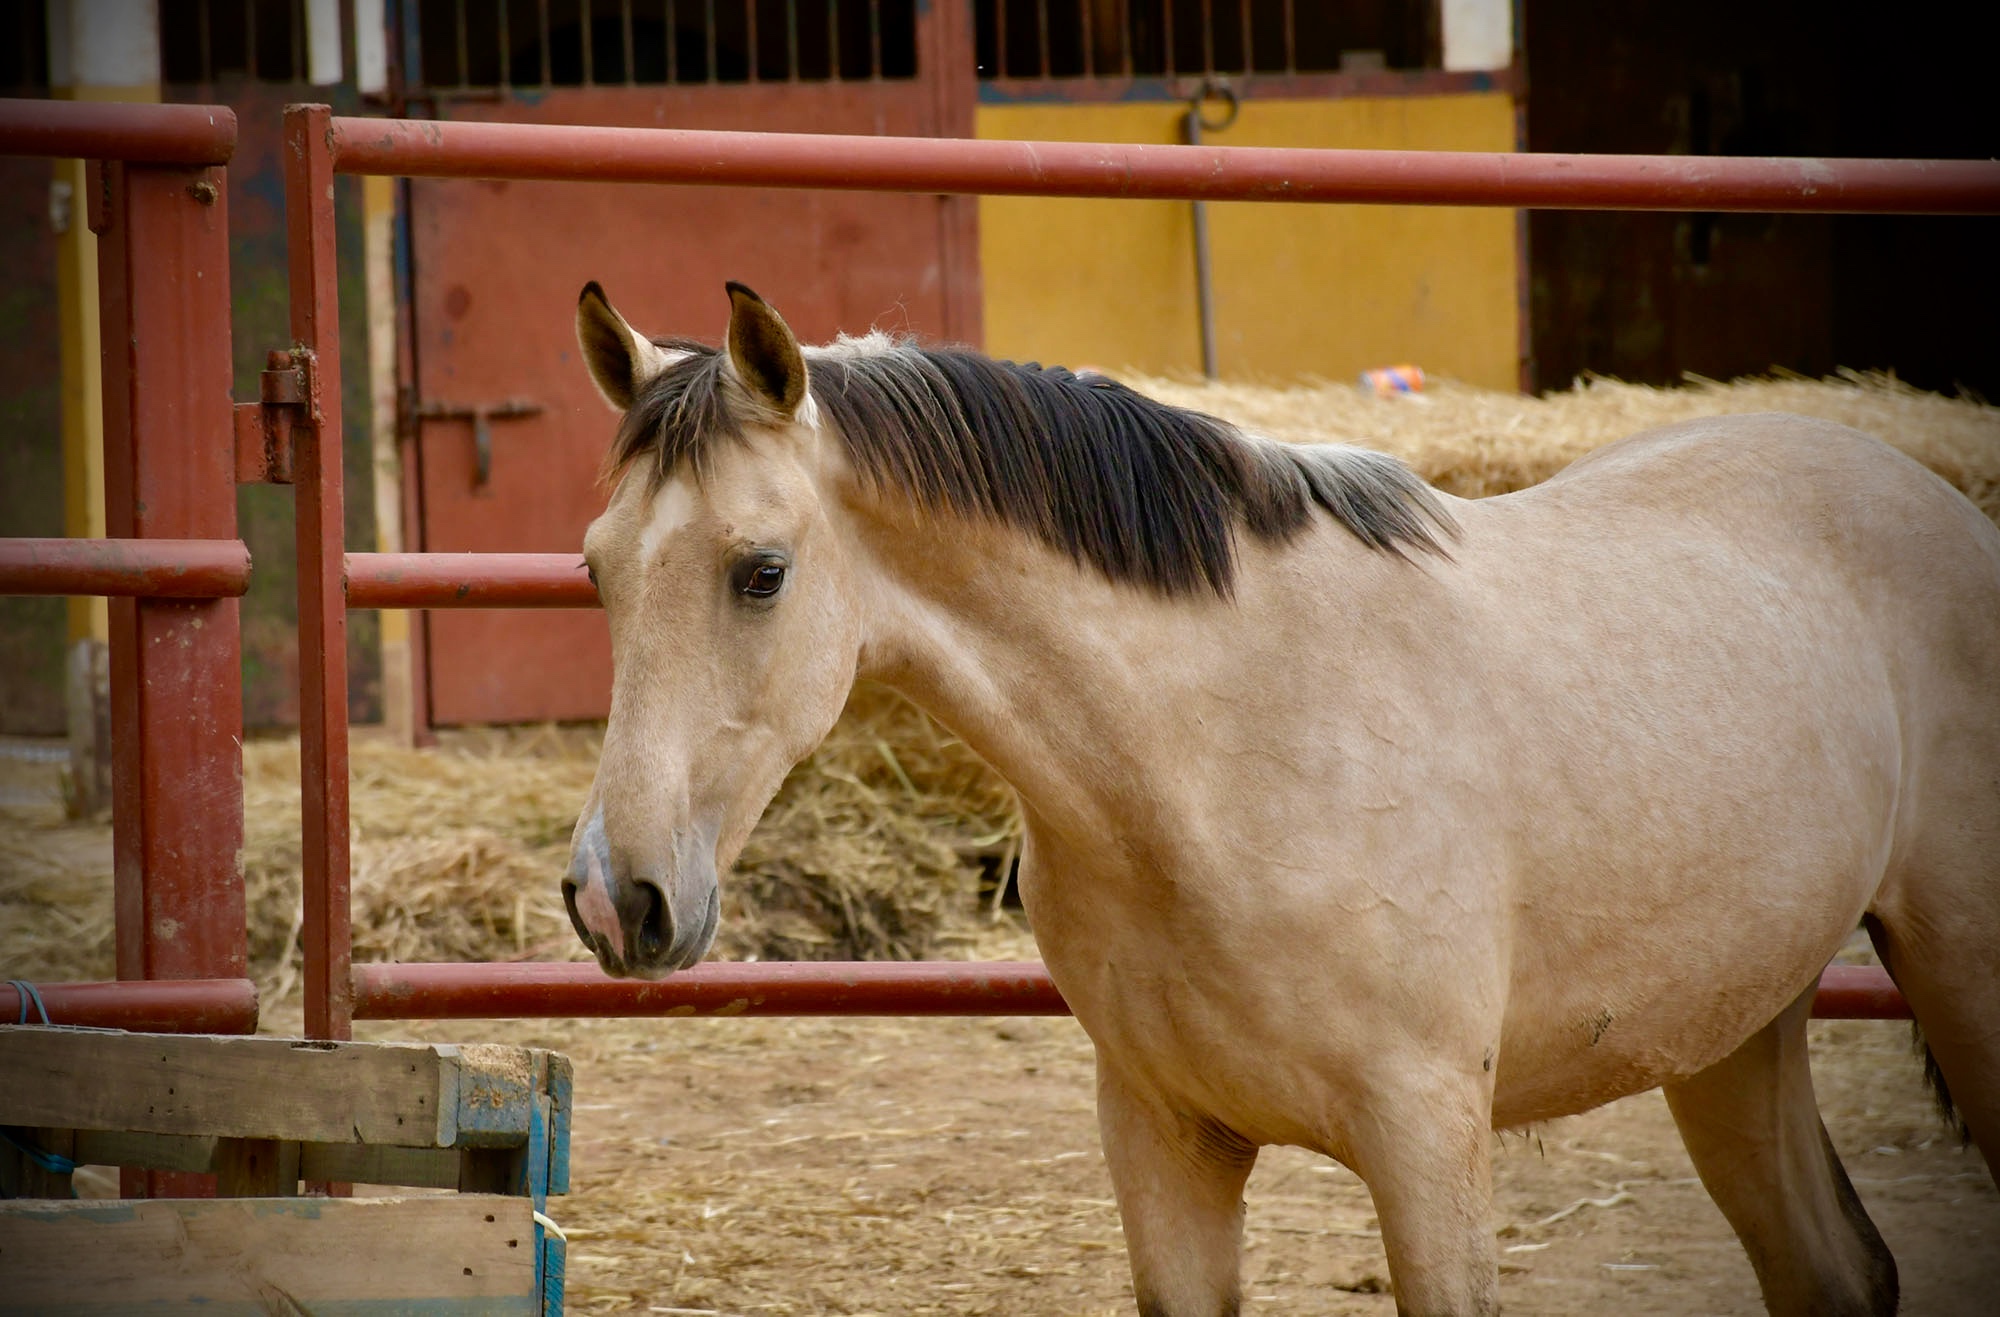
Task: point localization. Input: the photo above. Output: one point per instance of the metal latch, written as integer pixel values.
(264, 427)
(482, 418)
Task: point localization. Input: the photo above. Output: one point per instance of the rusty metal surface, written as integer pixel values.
(317, 484)
(155, 569)
(176, 695)
(1188, 173)
(168, 1006)
(458, 580)
(142, 134)
(532, 991)
(494, 327)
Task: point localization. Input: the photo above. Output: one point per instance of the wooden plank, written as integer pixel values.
(334, 1257)
(375, 1163)
(149, 1152)
(348, 1163)
(407, 1094)
(256, 1168)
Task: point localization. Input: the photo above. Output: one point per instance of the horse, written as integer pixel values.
(1357, 817)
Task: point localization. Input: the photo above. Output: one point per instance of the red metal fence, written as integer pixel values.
(177, 564)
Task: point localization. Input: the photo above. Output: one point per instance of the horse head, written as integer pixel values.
(734, 634)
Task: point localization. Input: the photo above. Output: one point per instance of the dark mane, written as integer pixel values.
(1144, 492)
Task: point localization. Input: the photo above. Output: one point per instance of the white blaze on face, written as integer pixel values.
(593, 904)
(673, 508)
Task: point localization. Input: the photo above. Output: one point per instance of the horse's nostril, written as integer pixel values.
(575, 919)
(652, 930)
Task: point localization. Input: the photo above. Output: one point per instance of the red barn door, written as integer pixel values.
(496, 268)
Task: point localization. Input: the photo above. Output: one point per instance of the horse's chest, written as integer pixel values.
(1172, 1011)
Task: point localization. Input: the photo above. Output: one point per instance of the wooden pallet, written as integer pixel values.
(263, 1115)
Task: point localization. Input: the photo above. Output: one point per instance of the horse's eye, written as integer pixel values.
(764, 580)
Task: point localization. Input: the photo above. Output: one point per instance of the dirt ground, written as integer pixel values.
(951, 1167)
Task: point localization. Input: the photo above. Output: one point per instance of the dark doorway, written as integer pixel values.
(1650, 297)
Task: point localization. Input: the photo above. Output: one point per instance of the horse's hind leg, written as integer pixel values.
(1945, 957)
(1754, 1132)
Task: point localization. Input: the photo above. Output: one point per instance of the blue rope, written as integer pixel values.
(53, 1163)
(29, 993)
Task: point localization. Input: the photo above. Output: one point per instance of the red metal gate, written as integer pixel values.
(180, 804)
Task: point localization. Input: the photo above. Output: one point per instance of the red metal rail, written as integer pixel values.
(136, 134)
(436, 149)
(867, 987)
(160, 1006)
(468, 580)
(148, 568)
(1011, 987)
(1858, 992)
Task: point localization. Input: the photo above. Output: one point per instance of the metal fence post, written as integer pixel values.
(176, 664)
(316, 477)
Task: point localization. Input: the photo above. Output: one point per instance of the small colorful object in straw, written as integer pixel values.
(1389, 380)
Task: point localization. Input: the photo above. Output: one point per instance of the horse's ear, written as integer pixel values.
(621, 360)
(766, 356)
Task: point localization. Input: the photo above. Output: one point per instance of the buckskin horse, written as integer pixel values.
(1358, 817)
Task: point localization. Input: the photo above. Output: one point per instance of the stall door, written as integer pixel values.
(510, 432)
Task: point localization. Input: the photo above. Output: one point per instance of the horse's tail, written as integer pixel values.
(1940, 1091)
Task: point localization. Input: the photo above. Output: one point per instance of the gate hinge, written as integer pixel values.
(264, 427)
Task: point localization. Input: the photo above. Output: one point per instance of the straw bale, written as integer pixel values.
(1475, 442)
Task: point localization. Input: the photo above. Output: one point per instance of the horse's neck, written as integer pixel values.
(1053, 674)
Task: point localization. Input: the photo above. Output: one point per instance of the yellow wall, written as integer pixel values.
(1300, 290)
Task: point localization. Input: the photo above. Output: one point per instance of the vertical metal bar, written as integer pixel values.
(462, 41)
(750, 39)
(1207, 38)
(625, 26)
(175, 665)
(1204, 282)
(999, 38)
(207, 52)
(1125, 37)
(1086, 39)
(673, 42)
(791, 40)
(874, 39)
(316, 477)
(542, 12)
(250, 40)
(1291, 39)
(708, 33)
(177, 706)
(506, 44)
(1042, 39)
(589, 55)
(1167, 29)
(1249, 55)
(299, 21)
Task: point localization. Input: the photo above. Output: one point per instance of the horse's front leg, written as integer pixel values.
(1424, 1146)
(1179, 1181)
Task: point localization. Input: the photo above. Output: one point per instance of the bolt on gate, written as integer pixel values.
(181, 773)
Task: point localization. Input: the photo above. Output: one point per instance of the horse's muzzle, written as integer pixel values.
(631, 924)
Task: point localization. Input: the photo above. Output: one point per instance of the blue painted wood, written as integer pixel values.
(562, 1098)
(555, 1263)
